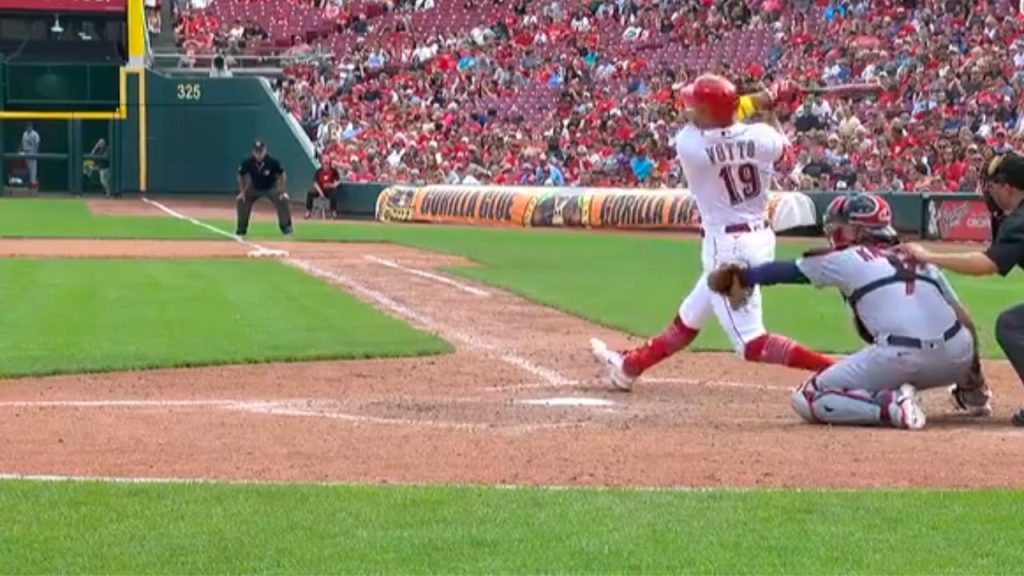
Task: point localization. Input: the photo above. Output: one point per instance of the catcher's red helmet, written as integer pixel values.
(869, 213)
(714, 98)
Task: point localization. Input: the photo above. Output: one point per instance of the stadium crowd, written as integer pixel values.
(552, 92)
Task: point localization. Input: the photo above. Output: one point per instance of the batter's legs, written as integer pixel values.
(745, 329)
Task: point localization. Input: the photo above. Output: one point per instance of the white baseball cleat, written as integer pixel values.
(913, 415)
(975, 403)
(611, 364)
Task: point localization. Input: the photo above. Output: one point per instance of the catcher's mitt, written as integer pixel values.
(728, 281)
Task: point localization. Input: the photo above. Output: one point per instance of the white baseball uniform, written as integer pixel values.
(728, 170)
(906, 311)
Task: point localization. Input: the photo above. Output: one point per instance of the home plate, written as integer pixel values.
(575, 402)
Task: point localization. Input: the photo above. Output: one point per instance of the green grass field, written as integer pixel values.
(100, 315)
(93, 527)
(635, 283)
(629, 282)
(632, 283)
(44, 218)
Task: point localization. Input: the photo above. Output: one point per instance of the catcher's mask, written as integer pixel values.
(713, 100)
(868, 215)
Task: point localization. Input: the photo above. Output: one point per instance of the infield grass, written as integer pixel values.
(64, 316)
(635, 282)
(630, 282)
(93, 527)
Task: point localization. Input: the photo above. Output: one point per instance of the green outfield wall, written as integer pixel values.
(200, 128)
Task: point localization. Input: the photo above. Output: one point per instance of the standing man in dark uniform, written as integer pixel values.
(1004, 195)
(325, 185)
(262, 175)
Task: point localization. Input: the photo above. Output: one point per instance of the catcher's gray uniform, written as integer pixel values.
(905, 312)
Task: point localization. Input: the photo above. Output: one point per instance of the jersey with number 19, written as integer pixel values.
(728, 170)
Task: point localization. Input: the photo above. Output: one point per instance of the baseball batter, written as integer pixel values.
(727, 164)
(918, 334)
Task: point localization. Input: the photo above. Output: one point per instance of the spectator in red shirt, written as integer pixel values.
(325, 185)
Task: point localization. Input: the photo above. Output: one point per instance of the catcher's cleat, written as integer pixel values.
(976, 403)
(1018, 418)
(611, 364)
(913, 415)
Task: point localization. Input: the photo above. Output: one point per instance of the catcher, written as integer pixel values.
(918, 334)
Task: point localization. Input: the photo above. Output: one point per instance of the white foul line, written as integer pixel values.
(257, 249)
(275, 409)
(688, 381)
(548, 375)
(428, 275)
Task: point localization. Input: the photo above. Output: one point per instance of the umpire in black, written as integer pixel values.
(261, 175)
(1004, 194)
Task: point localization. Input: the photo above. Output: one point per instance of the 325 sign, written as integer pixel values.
(190, 91)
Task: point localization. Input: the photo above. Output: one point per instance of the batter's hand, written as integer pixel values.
(785, 92)
(728, 281)
(241, 196)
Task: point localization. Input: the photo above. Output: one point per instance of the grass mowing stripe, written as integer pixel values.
(627, 282)
(129, 314)
(634, 283)
(52, 218)
(95, 527)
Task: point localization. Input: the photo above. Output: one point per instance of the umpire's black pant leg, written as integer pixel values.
(284, 211)
(1010, 335)
(243, 211)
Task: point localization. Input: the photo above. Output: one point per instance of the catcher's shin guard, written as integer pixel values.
(897, 408)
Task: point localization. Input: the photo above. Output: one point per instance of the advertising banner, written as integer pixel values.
(626, 208)
(959, 219)
(66, 5)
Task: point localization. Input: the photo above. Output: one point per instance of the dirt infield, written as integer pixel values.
(516, 403)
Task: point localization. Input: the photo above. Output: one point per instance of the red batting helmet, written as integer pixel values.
(714, 98)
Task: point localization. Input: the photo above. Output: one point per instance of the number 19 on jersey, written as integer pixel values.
(742, 182)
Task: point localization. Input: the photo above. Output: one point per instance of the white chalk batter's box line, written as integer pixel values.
(312, 409)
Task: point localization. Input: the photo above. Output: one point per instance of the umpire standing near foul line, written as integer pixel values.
(1004, 195)
(261, 175)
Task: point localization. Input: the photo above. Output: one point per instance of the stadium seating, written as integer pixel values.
(557, 113)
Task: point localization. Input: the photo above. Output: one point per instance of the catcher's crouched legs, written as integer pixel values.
(896, 407)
